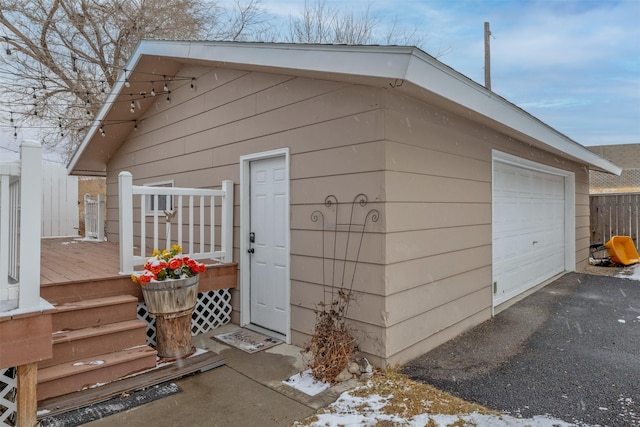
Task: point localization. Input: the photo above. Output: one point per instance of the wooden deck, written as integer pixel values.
(69, 260)
(68, 263)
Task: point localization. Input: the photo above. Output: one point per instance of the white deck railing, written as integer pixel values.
(190, 214)
(20, 223)
(94, 217)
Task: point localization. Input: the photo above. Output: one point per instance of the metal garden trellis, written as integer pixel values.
(340, 282)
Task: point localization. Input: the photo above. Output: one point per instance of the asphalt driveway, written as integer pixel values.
(571, 350)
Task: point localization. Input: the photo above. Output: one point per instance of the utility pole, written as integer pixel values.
(487, 56)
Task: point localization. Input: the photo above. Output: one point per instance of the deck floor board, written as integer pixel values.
(68, 260)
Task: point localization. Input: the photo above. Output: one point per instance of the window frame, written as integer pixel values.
(150, 211)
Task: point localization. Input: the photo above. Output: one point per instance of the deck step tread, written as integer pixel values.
(93, 363)
(95, 302)
(100, 330)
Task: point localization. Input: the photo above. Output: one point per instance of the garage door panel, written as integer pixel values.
(528, 228)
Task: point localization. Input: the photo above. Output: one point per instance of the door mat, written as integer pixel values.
(248, 341)
(94, 412)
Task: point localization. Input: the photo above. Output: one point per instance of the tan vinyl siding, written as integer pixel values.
(438, 242)
(335, 135)
(424, 273)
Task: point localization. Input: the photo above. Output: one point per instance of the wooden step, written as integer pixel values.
(58, 293)
(94, 312)
(80, 374)
(88, 342)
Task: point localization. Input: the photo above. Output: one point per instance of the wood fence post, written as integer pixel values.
(27, 400)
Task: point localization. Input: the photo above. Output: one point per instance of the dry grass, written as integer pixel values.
(407, 398)
(411, 398)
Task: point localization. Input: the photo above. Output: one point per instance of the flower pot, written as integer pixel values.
(172, 302)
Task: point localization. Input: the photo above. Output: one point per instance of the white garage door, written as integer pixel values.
(528, 228)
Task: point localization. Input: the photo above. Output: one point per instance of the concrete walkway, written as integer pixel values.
(247, 391)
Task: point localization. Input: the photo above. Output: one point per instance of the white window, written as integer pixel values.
(165, 203)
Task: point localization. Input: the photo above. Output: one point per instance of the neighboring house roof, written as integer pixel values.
(405, 69)
(626, 156)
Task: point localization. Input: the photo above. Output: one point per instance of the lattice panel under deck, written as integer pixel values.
(8, 389)
(213, 309)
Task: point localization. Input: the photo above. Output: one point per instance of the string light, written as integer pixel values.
(101, 129)
(135, 125)
(132, 104)
(153, 91)
(193, 83)
(168, 97)
(126, 79)
(8, 49)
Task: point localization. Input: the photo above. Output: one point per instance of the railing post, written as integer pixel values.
(100, 218)
(30, 223)
(125, 209)
(4, 236)
(226, 222)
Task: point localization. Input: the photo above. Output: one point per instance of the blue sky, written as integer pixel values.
(574, 64)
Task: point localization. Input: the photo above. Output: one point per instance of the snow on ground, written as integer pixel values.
(306, 384)
(395, 400)
(632, 273)
(369, 410)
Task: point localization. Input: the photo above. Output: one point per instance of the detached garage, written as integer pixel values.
(478, 201)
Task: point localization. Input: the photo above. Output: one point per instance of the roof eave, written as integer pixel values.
(379, 65)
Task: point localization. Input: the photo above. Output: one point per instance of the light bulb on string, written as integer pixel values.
(102, 86)
(153, 90)
(135, 125)
(168, 97)
(126, 79)
(15, 131)
(10, 116)
(102, 130)
(132, 105)
(193, 84)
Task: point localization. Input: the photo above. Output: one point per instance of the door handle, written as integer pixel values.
(251, 250)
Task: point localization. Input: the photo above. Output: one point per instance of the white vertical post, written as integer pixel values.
(100, 218)
(30, 223)
(226, 236)
(125, 194)
(4, 236)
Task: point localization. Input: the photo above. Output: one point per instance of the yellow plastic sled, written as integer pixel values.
(622, 250)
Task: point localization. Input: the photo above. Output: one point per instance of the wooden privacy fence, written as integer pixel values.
(614, 215)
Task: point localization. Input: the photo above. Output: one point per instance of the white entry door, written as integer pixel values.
(269, 252)
(529, 238)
